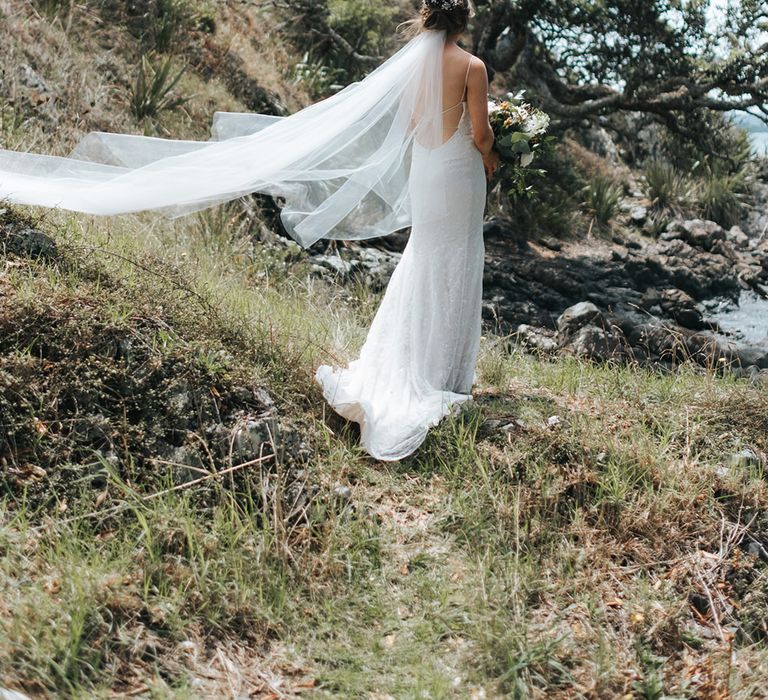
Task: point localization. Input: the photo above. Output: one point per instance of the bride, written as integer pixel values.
(419, 356)
(410, 145)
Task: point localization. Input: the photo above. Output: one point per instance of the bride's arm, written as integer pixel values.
(477, 103)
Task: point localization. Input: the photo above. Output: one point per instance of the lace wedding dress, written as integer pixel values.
(420, 354)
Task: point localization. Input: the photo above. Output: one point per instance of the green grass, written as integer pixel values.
(529, 561)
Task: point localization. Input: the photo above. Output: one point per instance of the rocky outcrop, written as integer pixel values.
(628, 298)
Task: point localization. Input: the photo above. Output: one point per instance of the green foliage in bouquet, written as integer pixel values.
(521, 135)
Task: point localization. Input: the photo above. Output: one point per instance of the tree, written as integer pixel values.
(674, 59)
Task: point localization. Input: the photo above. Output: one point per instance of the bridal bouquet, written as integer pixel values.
(521, 132)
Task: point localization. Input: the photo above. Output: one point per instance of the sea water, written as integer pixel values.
(747, 321)
(759, 141)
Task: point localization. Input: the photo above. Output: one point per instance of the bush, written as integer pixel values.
(368, 25)
(721, 164)
(721, 198)
(602, 196)
(668, 188)
(152, 92)
(317, 77)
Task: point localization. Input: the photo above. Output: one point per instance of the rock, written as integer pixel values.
(334, 263)
(537, 338)
(705, 349)
(638, 215)
(671, 234)
(492, 424)
(593, 343)
(753, 356)
(253, 439)
(755, 222)
(699, 602)
(25, 241)
(744, 459)
(682, 308)
(378, 267)
(699, 233)
(180, 400)
(554, 422)
(31, 79)
(599, 141)
(746, 372)
(577, 316)
(498, 229)
(754, 548)
(737, 238)
(262, 396)
(342, 493)
(656, 341)
(371, 266)
(552, 243)
(187, 465)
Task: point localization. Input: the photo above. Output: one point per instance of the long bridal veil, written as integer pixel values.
(341, 165)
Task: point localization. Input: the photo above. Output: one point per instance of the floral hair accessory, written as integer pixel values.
(445, 4)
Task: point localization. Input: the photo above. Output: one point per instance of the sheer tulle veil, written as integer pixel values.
(342, 165)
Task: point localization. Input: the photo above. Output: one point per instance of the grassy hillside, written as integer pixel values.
(183, 517)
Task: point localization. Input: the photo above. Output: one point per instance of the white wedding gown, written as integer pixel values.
(420, 354)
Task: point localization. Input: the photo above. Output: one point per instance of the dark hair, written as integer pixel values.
(450, 15)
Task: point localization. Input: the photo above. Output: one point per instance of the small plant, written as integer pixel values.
(656, 225)
(601, 199)
(12, 124)
(154, 85)
(669, 189)
(721, 198)
(320, 79)
(651, 684)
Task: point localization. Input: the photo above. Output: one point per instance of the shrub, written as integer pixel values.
(722, 167)
(602, 196)
(172, 16)
(154, 85)
(721, 198)
(669, 189)
(317, 77)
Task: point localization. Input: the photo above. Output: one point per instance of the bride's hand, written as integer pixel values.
(491, 163)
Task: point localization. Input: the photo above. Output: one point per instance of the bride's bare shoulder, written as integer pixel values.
(477, 69)
(476, 64)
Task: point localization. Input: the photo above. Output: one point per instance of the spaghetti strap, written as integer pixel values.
(466, 79)
(464, 93)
